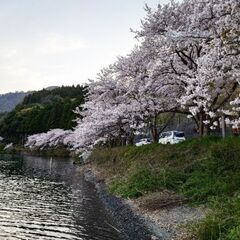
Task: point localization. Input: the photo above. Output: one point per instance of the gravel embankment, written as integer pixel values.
(136, 222)
(173, 220)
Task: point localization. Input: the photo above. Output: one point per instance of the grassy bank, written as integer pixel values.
(201, 170)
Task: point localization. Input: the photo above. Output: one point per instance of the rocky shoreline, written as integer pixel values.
(130, 224)
(135, 222)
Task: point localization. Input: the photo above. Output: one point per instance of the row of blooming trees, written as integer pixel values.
(187, 61)
(52, 138)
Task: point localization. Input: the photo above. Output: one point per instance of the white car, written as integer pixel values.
(84, 156)
(143, 141)
(171, 137)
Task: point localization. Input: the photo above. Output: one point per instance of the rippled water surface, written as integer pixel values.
(48, 199)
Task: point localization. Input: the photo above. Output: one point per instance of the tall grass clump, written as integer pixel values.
(223, 223)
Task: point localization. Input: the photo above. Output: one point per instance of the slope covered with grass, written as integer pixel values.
(204, 171)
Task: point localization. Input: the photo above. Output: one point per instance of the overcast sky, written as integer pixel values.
(63, 42)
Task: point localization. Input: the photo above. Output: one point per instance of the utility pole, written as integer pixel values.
(223, 125)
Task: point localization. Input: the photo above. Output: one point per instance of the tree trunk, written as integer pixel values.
(200, 128)
(154, 133)
(203, 129)
(124, 141)
(130, 139)
(154, 130)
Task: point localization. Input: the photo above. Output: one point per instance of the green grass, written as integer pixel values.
(223, 222)
(141, 180)
(203, 170)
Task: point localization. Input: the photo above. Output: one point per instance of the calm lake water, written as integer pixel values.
(43, 198)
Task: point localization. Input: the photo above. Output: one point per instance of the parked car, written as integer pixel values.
(84, 156)
(172, 137)
(143, 141)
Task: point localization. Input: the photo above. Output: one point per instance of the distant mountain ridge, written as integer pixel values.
(10, 100)
(41, 111)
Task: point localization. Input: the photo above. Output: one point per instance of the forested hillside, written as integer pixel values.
(41, 111)
(9, 101)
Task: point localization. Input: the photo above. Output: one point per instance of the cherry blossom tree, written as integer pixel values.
(50, 139)
(187, 61)
(105, 114)
(202, 60)
(147, 98)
